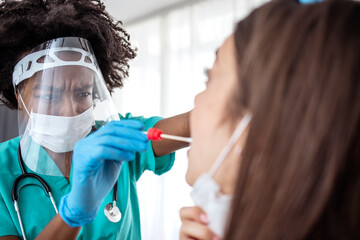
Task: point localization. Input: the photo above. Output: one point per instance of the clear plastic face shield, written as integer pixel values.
(62, 95)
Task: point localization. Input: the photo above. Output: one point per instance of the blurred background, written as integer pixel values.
(176, 41)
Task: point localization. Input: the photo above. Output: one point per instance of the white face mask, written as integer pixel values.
(56, 133)
(206, 192)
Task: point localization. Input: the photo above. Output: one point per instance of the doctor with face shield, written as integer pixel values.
(63, 99)
(60, 89)
(72, 172)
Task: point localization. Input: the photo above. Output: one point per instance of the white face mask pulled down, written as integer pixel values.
(56, 133)
(206, 192)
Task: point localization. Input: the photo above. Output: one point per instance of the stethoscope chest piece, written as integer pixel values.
(112, 212)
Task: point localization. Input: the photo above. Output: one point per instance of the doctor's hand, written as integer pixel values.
(97, 161)
(194, 225)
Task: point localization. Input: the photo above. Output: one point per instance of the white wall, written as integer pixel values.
(8, 123)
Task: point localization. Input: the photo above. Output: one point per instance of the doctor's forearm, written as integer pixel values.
(58, 229)
(178, 126)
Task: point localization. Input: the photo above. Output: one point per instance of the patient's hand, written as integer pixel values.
(194, 225)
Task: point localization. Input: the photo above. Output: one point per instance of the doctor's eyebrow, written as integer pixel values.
(54, 89)
(47, 88)
(84, 87)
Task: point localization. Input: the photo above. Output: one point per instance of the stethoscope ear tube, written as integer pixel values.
(19, 217)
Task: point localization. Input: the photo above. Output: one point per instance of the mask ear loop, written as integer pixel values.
(235, 136)
(23, 104)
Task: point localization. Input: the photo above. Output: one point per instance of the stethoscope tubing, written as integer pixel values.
(14, 191)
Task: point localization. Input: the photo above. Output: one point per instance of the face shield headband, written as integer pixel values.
(49, 58)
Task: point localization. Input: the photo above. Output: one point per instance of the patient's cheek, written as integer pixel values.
(188, 178)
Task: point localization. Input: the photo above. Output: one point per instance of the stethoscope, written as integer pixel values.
(14, 192)
(111, 211)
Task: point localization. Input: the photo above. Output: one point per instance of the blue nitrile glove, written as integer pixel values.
(97, 161)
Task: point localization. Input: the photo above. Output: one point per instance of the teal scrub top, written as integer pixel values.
(36, 209)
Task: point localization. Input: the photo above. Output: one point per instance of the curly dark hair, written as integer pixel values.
(28, 23)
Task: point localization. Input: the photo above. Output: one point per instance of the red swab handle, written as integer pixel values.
(154, 134)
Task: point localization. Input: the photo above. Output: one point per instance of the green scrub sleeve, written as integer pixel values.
(7, 227)
(147, 160)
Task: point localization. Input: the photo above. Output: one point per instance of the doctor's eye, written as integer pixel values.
(83, 94)
(48, 96)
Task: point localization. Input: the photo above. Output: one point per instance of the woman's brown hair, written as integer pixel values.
(300, 172)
